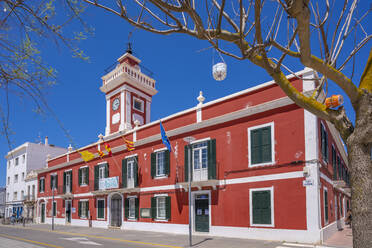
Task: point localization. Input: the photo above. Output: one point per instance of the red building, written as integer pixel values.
(261, 167)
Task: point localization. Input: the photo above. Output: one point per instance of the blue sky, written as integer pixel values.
(182, 67)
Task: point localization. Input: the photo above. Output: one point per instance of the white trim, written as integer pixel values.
(132, 196)
(271, 189)
(83, 200)
(104, 209)
(161, 149)
(327, 179)
(100, 163)
(271, 124)
(85, 166)
(67, 170)
(200, 140)
(160, 195)
(131, 156)
(109, 207)
(193, 196)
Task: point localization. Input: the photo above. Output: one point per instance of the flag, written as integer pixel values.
(108, 149)
(100, 153)
(129, 144)
(164, 138)
(86, 156)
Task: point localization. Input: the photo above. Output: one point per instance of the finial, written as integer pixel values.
(129, 45)
(69, 148)
(136, 123)
(100, 137)
(200, 98)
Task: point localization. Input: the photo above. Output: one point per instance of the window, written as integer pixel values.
(23, 176)
(137, 104)
(7, 197)
(15, 196)
(42, 185)
(261, 144)
(33, 191)
(262, 207)
(161, 207)
(23, 158)
(9, 164)
(325, 199)
(100, 208)
(130, 172)
(8, 180)
(338, 167)
(203, 159)
(84, 176)
(16, 178)
(54, 181)
(67, 181)
(334, 164)
(83, 209)
(28, 191)
(16, 161)
(160, 161)
(54, 210)
(132, 208)
(324, 144)
(100, 171)
(22, 195)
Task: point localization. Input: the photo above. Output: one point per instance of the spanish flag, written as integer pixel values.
(129, 144)
(108, 149)
(100, 153)
(86, 156)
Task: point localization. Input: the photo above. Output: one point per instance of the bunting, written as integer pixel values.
(100, 153)
(108, 149)
(129, 144)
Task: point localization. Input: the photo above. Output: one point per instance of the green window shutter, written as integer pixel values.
(96, 177)
(56, 181)
(167, 162)
(137, 208)
(256, 146)
(88, 211)
(153, 164)
(79, 208)
(261, 209)
(80, 176)
(101, 209)
(135, 171)
(187, 150)
(64, 182)
(212, 159)
(40, 185)
(326, 205)
(153, 207)
(106, 170)
(87, 175)
(51, 182)
(168, 207)
(124, 173)
(266, 144)
(126, 208)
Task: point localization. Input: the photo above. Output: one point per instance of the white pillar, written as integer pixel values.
(107, 131)
(122, 118)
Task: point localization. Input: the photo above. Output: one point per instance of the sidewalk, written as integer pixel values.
(342, 239)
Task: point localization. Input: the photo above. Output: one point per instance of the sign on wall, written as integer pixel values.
(109, 183)
(145, 212)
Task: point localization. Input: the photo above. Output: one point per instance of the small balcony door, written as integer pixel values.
(130, 174)
(68, 182)
(200, 162)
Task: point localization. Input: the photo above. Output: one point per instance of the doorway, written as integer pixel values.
(42, 213)
(68, 204)
(201, 213)
(115, 210)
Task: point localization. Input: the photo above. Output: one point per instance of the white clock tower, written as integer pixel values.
(128, 94)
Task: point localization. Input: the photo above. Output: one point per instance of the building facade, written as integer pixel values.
(20, 161)
(2, 201)
(259, 166)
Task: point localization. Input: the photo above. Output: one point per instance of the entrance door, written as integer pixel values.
(68, 210)
(201, 213)
(116, 211)
(42, 220)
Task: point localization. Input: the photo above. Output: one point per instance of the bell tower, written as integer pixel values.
(129, 94)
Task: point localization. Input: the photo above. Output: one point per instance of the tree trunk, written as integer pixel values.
(359, 154)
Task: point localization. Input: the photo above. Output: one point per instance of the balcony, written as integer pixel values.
(132, 75)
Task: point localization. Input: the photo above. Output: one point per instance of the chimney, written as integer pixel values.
(46, 140)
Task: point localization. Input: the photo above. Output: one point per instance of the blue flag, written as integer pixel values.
(164, 138)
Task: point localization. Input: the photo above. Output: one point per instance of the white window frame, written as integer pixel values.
(16, 178)
(23, 176)
(15, 196)
(42, 188)
(322, 127)
(8, 180)
(23, 158)
(104, 208)
(201, 169)
(272, 162)
(101, 172)
(133, 200)
(142, 104)
(16, 161)
(157, 207)
(68, 185)
(157, 164)
(83, 176)
(271, 189)
(85, 207)
(324, 215)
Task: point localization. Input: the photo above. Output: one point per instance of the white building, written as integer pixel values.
(2, 201)
(30, 198)
(20, 161)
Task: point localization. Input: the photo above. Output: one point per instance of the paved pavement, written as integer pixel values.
(342, 239)
(84, 237)
(6, 243)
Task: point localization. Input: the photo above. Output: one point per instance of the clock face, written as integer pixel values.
(115, 104)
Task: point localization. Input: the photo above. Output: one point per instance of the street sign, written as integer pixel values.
(307, 182)
(73, 210)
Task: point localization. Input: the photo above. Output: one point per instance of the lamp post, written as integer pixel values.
(53, 203)
(189, 139)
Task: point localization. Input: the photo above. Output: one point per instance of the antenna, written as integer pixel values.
(129, 47)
